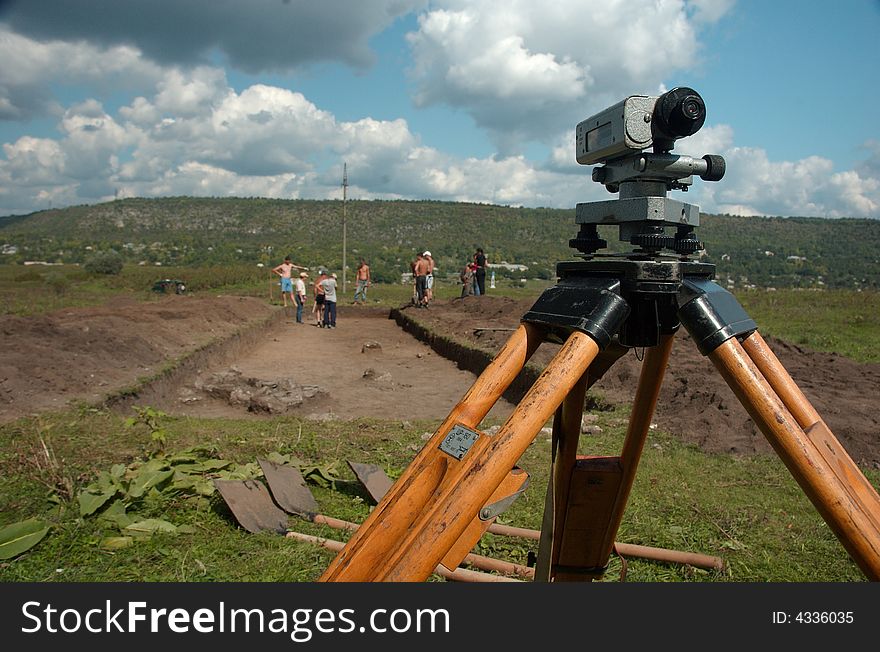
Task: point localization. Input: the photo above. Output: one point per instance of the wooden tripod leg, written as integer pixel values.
(590, 508)
(645, 401)
(845, 516)
(814, 427)
(380, 533)
(566, 434)
(470, 482)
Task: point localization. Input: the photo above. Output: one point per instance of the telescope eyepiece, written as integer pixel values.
(678, 113)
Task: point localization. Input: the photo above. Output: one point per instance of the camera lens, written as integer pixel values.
(678, 113)
(691, 108)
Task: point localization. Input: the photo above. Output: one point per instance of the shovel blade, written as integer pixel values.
(373, 479)
(289, 489)
(252, 506)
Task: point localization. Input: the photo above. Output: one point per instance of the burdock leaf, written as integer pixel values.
(90, 503)
(151, 526)
(278, 458)
(146, 480)
(116, 543)
(19, 537)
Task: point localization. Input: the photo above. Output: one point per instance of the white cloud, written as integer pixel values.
(755, 185)
(29, 67)
(529, 70)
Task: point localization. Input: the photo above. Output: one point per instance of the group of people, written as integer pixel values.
(323, 290)
(473, 276)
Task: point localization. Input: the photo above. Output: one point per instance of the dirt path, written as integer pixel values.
(366, 367)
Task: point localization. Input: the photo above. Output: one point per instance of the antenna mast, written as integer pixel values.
(344, 197)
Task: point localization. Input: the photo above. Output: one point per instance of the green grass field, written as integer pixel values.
(747, 511)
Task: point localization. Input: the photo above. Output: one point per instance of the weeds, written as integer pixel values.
(40, 462)
(152, 419)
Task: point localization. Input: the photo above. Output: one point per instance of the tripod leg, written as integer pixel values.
(468, 484)
(566, 434)
(814, 427)
(644, 404)
(379, 535)
(846, 516)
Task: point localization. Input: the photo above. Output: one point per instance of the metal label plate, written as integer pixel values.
(459, 441)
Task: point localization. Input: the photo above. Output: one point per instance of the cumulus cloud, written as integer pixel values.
(532, 70)
(254, 36)
(28, 68)
(755, 185)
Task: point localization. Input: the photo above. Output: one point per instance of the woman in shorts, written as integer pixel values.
(318, 308)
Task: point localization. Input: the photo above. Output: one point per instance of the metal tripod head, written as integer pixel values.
(618, 137)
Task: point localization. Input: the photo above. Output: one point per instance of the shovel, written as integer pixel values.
(289, 489)
(252, 506)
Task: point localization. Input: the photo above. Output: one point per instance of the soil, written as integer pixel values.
(247, 358)
(695, 402)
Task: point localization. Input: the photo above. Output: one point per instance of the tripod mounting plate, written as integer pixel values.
(658, 210)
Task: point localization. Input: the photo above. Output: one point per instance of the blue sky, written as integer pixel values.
(458, 100)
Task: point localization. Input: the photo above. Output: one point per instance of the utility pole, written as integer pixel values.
(344, 197)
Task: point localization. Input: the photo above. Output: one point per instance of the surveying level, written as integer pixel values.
(601, 307)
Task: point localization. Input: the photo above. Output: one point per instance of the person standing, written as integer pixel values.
(480, 274)
(362, 278)
(329, 286)
(420, 269)
(284, 271)
(429, 278)
(318, 291)
(467, 280)
(300, 295)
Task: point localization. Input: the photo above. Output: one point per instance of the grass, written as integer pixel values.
(838, 321)
(747, 511)
(34, 290)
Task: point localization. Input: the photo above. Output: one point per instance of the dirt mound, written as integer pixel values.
(695, 402)
(86, 353)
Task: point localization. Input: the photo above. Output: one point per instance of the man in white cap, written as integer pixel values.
(329, 286)
(429, 278)
(300, 295)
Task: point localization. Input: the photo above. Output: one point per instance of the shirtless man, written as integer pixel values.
(420, 269)
(284, 271)
(362, 276)
(429, 280)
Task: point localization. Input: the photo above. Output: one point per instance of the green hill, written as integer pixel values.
(781, 252)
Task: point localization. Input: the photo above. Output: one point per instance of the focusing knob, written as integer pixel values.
(715, 168)
(587, 240)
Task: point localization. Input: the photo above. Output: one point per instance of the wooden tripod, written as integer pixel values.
(462, 478)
